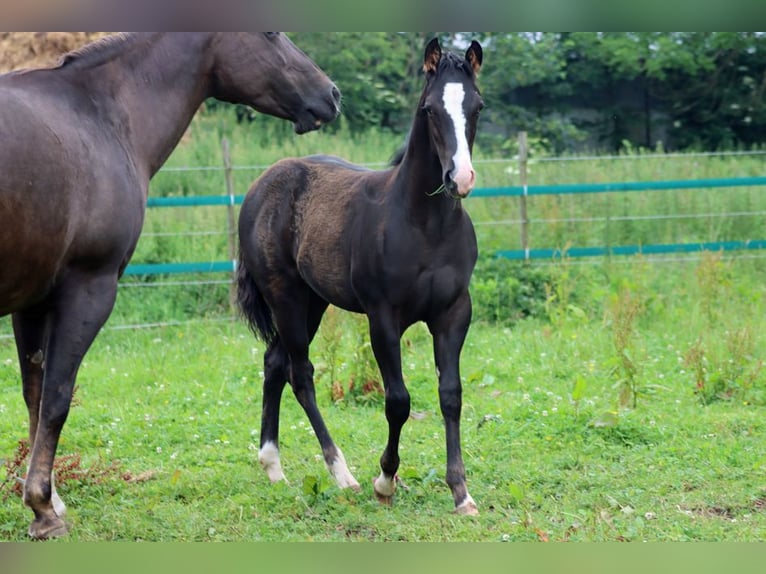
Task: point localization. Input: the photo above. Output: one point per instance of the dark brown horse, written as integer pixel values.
(78, 146)
(394, 244)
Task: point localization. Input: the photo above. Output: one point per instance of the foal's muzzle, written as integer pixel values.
(459, 182)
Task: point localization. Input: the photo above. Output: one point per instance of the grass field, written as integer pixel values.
(615, 399)
(630, 408)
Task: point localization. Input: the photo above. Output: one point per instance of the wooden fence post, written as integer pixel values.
(231, 228)
(523, 155)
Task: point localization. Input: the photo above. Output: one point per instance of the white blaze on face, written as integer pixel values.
(463, 176)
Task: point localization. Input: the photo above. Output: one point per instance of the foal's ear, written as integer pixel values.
(474, 56)
(432, 57)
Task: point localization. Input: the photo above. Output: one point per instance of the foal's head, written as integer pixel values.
(452, 102)
(267, 71)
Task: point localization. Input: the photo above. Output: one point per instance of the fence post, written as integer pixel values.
(523, 154)
(230, 223)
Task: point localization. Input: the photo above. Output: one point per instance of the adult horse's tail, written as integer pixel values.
(253, 306)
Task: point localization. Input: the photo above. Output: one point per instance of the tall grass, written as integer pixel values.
(608, 219)
(201, 234)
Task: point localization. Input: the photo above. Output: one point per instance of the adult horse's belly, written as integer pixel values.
(28, 266)
(34, 239)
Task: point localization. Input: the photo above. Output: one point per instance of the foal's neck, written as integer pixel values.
(420, 177)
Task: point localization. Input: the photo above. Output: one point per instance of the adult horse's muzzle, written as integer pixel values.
(322, 110)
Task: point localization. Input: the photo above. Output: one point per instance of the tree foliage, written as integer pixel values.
(683, 90)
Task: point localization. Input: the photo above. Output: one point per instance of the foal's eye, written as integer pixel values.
(428, 110)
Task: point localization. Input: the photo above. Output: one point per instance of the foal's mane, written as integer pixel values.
(452, 60)
(97, 51)
(398, 156)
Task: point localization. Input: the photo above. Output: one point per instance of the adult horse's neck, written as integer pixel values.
(151, 83)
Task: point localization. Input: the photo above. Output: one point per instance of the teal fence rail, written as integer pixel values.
(510, 191)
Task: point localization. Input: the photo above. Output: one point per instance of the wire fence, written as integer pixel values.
(510, 225)
(520, 215)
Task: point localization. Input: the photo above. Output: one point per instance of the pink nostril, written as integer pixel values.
(467, 184)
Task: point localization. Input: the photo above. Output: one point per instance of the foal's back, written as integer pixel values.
(306, 217)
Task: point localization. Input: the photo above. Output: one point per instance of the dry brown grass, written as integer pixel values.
(39, 49)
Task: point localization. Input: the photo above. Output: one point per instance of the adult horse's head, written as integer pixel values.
(452, 102)
(286, 83)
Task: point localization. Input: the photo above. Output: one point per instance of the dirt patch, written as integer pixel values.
(39, 49)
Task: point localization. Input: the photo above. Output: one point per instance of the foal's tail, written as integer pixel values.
(253, 306)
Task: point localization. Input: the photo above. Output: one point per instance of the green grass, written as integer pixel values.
(554, 447)
(616, 399)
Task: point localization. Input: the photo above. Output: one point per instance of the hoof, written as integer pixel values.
(384, 489)
(467, 507)
(384, 500)
(45, 528)
(353, 486)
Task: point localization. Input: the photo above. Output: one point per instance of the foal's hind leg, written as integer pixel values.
(449, 331)
(297, 320)
(275, 369)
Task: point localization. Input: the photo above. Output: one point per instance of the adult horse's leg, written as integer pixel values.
(449, 331)
(76, 310)
(385, 339)
(297, 318)
(29, 329)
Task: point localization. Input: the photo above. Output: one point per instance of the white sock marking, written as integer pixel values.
(384, 485)
(339, 469)
(268, 456)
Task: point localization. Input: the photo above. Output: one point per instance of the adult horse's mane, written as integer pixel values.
(97, 51)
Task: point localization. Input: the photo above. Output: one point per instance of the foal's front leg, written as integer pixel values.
(384, 337)
(449, 331)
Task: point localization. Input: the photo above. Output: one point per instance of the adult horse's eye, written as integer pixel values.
(428, 110)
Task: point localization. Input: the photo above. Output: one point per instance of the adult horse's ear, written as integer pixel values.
(474, 55)
(432, 57)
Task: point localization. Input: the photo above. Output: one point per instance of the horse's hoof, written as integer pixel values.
(380, 483)
(467, 508)
(384, 500)
(354, 486)
(45, 528)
